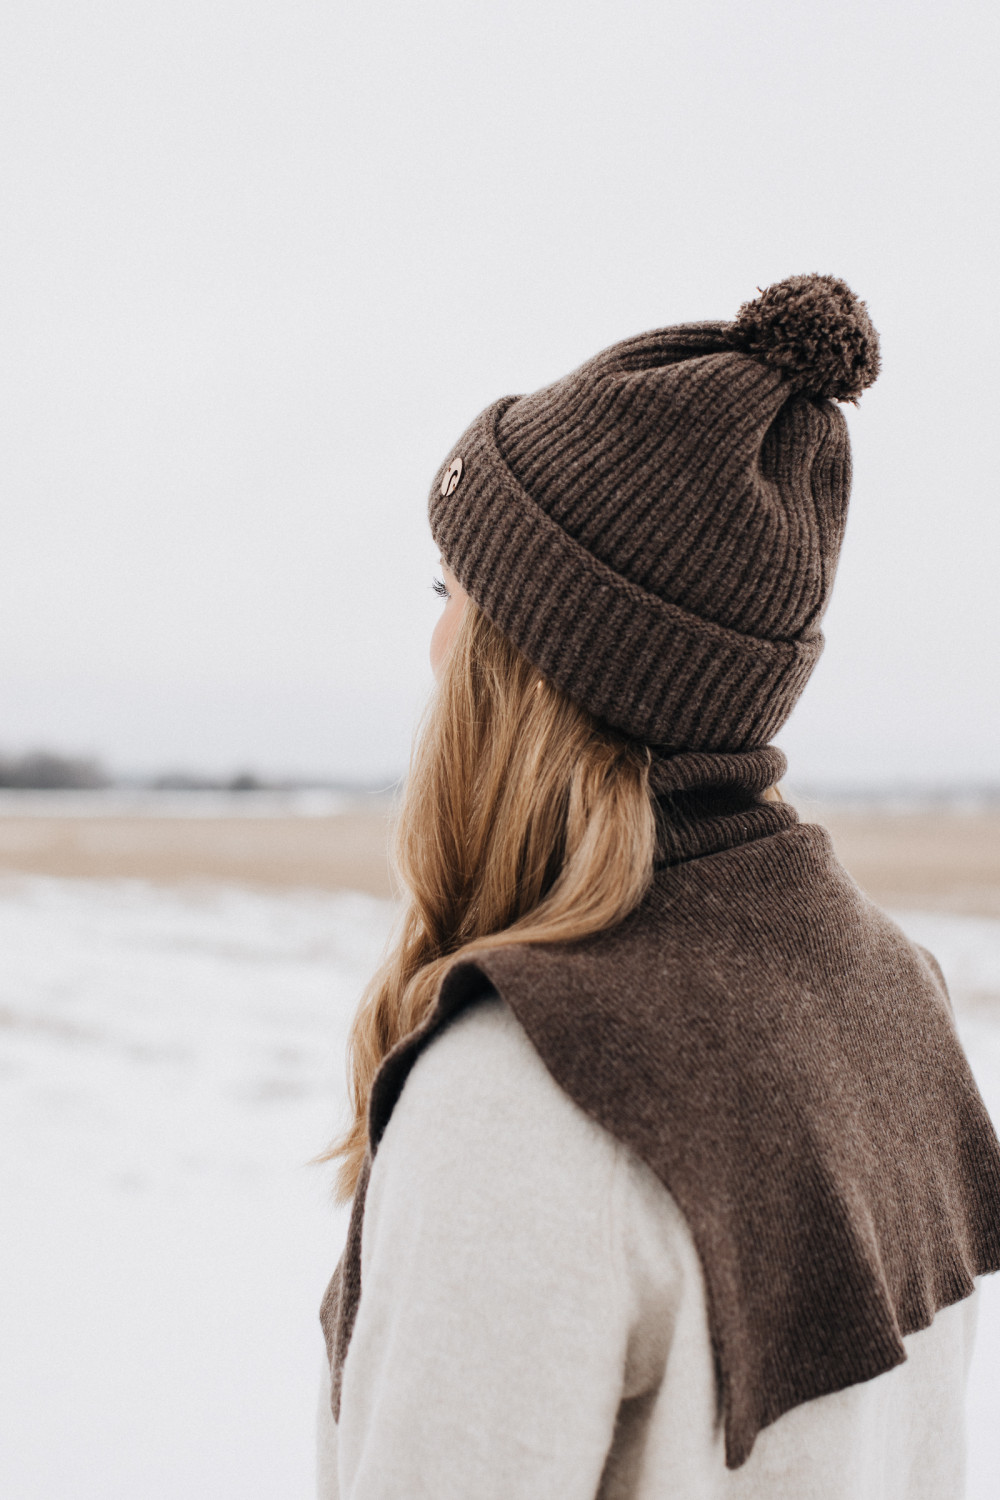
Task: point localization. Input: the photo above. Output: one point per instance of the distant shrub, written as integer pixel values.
(42, 771)
(245, 781)
(189, 781)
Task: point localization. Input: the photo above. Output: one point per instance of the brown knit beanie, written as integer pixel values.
(658, 531)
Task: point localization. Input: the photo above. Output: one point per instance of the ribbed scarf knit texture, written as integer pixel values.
(785, 1060)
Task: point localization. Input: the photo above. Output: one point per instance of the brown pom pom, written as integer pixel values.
(816, 332)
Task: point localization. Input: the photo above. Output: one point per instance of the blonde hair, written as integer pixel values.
(523, 821)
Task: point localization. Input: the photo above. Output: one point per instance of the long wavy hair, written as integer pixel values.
(523, 821)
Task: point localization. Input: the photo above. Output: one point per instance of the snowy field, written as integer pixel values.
(169, 1061)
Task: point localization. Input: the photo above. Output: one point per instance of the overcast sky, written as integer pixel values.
(263, 260)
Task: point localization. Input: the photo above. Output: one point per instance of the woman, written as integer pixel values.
(669, 1174)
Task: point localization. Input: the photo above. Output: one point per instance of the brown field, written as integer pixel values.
(931, 859)
(938, 858)
(346, 851)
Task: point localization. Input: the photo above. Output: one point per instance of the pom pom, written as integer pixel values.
(816, 332)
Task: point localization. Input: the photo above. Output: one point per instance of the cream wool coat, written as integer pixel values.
(533, 1322)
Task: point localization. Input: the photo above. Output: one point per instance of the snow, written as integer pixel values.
(146, 802)
(170, 1060)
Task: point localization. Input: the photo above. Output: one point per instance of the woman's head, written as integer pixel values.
(636, 556)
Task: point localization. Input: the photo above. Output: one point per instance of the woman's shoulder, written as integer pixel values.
(481, 1083)
(481, 1117)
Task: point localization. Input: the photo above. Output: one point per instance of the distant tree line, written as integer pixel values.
(43, 770)
(186, 781)
(40, 770)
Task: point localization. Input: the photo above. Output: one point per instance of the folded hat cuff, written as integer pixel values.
(641, 664)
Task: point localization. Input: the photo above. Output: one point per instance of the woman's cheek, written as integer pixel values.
(444, 633)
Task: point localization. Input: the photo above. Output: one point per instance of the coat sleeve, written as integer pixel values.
(491, 1338)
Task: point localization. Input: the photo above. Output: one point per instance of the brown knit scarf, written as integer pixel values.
(785, 1060)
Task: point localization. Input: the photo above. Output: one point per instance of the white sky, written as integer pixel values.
(261, 263)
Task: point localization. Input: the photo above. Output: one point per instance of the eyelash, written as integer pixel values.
(440, 589)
